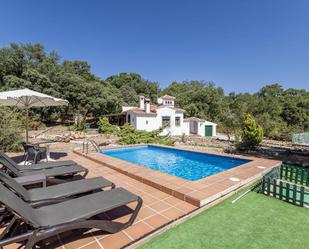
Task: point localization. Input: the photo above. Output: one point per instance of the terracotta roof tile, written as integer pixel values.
(153, 110)
(168, 97)
(193, 119)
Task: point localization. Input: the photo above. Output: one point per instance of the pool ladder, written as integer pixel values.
(86, 144)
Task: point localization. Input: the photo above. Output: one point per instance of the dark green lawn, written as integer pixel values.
(255, 221)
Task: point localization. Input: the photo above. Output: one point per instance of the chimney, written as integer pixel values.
(147, 103)
(142, 102)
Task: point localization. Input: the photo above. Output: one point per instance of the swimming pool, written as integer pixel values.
(181, 163)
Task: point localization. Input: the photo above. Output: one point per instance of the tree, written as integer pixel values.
(105, 126)
(280, 112)
(230, 124)
(136, 83)
(199, 98)
(251, 134)
(10, 128)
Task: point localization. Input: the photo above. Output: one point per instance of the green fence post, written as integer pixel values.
(297, 175)
(280, 190)
(294, 194)
(268, 186)
(287, 192)
(284, 171)
(275, 188)
(302, 176)
(302, 196)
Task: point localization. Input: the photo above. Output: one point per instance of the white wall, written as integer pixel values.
(168, 102)
(186, 128)
(132, 120)
(147, 123)
(173, 129)
(201, 128)
(154, 122)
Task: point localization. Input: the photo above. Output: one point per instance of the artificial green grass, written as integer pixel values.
(253, 222)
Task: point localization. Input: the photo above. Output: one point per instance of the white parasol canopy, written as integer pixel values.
(26, 98)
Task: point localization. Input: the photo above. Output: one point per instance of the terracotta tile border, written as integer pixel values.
(192, 192)
(143, 240)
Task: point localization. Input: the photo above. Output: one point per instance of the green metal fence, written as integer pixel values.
(301, 138)
(287, 183)
(295, 174)
(285, 191)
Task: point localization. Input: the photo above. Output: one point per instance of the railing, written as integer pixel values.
(295, 174)
(285, 191)
(287, 183)
(88, 142)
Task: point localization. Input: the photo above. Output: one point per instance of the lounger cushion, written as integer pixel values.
(83, 207)
(58, 171)
(46, 165)
(68, 189)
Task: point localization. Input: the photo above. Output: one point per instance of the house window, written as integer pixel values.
(166, 121)
(177, 121)
(146, 122)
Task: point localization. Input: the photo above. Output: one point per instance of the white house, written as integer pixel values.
(151, 117)
(201, 127)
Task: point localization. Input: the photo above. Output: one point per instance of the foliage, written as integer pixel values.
(30, 66)
(129, 135)
(251, 134)
(81, 126)
(229, 124)
(131, 85)
(10, 128)
(105, 127)
(279, 111)
(183, 138)
(198, 98)
(33, 123)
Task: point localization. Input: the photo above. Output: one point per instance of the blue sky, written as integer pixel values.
(241, 45)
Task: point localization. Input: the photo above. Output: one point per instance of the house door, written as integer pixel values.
(193, 127)
(208, 130)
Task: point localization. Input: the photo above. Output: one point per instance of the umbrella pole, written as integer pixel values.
(27, 121)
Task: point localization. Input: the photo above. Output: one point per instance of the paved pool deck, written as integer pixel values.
(197, 193)
(166, 199)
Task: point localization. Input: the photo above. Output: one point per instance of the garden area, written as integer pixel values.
(254, 221)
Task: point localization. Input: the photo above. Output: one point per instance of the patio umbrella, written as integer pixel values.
(26, 98)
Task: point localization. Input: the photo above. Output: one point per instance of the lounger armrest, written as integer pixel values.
(32, 179)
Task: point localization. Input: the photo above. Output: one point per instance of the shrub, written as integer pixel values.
(35, 124)
(183, 138)
(251, 134)
(129, 135)
(10, 128)
(80, 126)
(106, 127)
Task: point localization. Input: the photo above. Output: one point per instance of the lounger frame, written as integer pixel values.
(35, 235)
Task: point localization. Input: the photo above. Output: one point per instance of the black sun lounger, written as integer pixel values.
(78, 213)
(48, 172)
(55, 193)
(38, 166)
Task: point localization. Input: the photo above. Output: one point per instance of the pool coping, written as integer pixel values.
(198, 193)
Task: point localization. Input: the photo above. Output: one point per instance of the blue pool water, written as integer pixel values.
(185, 164)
